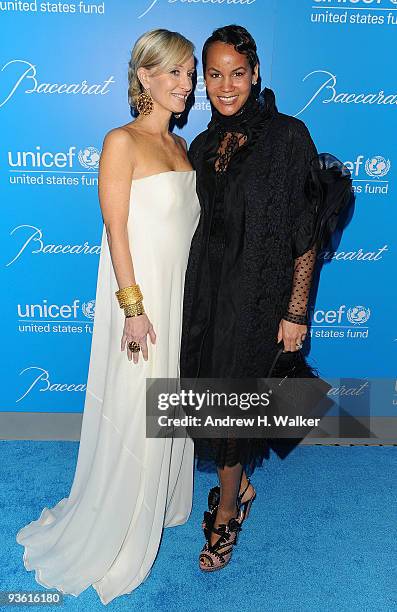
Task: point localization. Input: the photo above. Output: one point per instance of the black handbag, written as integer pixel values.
(296, 391)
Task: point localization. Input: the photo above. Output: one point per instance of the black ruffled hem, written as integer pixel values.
(219, 453)
(251, 453)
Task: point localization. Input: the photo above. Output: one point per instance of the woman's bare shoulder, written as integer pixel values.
(120, 146)
(123, 136)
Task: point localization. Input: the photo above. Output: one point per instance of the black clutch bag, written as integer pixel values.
(297, 392)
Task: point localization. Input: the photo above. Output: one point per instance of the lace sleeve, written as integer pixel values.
(320, 189)
(303, 273)
(302, 154)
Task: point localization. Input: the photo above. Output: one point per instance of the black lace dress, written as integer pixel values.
(253, 254)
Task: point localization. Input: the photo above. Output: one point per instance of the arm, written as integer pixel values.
(115, 176)
(301, 213)
(303, 274)
(293, 326)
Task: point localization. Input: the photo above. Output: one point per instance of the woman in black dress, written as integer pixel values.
(251, 260)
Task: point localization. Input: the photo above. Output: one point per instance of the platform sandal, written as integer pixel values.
(216, 556)
(245, 507)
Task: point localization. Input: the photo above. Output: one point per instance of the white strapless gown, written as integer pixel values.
(126, 487)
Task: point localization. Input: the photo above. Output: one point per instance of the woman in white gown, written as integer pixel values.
(128, 487)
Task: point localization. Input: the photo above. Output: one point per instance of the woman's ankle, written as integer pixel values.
(225, 514)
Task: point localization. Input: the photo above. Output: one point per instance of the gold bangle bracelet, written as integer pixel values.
(129, 295)
(134, 310)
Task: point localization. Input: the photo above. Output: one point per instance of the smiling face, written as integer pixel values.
(228, 77)
(171, 88)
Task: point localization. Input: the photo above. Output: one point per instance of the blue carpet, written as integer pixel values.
(321, 535)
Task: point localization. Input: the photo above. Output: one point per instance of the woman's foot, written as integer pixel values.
(222, 517)
(221, 537)
(246, 496)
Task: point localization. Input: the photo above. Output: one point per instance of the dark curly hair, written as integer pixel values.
(234, 35)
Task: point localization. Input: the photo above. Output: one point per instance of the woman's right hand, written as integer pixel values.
(136, 329)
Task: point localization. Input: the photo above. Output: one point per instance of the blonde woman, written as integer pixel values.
(127, 487)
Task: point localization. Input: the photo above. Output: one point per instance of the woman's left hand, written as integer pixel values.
(291, 334)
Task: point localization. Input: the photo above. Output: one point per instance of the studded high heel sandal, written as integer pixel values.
(216, 556)
(245, 507)
(214, 496)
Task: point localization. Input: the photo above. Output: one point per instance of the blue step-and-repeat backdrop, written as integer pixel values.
(63, 85)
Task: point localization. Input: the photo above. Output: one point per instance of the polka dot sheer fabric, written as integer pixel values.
(303, 273)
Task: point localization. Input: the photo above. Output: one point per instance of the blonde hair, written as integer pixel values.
(155, 49)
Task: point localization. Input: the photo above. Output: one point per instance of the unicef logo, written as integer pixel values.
(88, 309)
(377, 166)
(89, 158)
(358, 315)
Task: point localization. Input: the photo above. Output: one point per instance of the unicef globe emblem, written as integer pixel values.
(88, 309)
(377, 166)
(89, 158)
(358, 315)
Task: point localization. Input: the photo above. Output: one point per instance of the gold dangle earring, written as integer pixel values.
(144, 103)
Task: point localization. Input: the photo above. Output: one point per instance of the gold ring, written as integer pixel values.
(134, 347)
